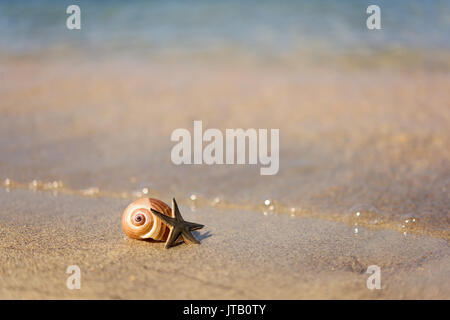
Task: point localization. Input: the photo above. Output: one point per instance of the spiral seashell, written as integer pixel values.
(138, 221)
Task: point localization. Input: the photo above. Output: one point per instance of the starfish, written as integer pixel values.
(178, 226)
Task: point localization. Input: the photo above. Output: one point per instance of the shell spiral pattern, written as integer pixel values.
(138, 221)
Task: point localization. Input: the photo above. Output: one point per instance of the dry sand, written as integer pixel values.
(243, 255)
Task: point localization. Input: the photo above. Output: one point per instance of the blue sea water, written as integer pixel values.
(259, 27)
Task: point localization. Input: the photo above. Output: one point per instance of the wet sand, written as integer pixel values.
(350, 138)
(372, 137)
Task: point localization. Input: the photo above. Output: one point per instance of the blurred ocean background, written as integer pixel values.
(280, 30)
(363, 115)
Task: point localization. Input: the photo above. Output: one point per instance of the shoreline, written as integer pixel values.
(217, 203)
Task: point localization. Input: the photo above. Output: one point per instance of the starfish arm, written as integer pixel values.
(188, 237)
(172, 238)
(193, 226)
(175, 211)
(168, 220)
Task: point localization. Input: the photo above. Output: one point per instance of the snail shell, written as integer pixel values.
(139, 222)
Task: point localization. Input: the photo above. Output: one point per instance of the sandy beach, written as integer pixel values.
(243, 255)
(86, 118)
(321, 250)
